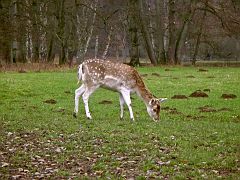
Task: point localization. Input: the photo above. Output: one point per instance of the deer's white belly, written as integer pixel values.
(113, 83)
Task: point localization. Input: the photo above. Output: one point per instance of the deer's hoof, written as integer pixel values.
(75, 115)
(89, 118)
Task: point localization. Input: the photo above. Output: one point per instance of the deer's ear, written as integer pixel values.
(162, 99)
(152, 101)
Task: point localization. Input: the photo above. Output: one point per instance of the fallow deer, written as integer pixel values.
(95, 73)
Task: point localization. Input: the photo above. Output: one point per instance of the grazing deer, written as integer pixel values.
(95, 73)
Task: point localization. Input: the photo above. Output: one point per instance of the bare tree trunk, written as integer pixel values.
(29, 48)
(61, 31)
(161, 56)
(108, 43)
(117, 53)
(91, 28)
(125, 48)
(15, 43)
(238, 48)
(36, 32)
(50, 48)
(28, 41)
(84, 30)
(43, 33)
(171, 30)
(183, 33)
(145, 32)
(151, 26)
(96, 47)
(134, 50)
(198, 38)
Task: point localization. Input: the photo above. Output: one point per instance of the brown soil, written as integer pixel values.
(171, 110)
(22, 71)
(168, 69)
(228, 96)
(166, 108)
(105, 102)
(207, 109)
(224, 109)
(198, 93)
(179, 97)
(190, 76)
(60, 110)
(195, 117)
(144, 75)
(206, 90)
(50, 101)
(202, 70)
(236, 118)
(156, 74)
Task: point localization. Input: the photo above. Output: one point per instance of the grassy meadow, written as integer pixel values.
(196, 138)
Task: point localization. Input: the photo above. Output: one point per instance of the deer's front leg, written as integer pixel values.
(78, 93)
(121, 105)
(127, 99)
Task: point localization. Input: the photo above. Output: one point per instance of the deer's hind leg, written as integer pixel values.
(78, 93)
(88, 91)
(122, 102)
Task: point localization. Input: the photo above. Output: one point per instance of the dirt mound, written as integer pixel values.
(156, 74)
(195, 117)
(171, 110)
(206, 90)
(207, 109)
(228, 96)
(236, 118)
(202, 70)
(224, 109)
(168, 69)
(50, 101)
(198, 93)
(22, 71)
(190, 76)
(105, 102)
(179, 97)
(144, 75)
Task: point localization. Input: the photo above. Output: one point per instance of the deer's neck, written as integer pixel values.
(144, 94)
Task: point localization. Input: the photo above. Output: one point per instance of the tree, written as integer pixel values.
(133, 31)
(167, 31)
(145, 32)
(161, 54)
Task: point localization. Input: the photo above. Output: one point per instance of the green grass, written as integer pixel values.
(40, 140)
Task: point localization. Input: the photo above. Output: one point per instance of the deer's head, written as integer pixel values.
(154, 106)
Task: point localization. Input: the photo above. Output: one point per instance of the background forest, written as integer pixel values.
(163, 31)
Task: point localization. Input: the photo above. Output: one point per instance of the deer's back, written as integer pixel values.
(110, 74)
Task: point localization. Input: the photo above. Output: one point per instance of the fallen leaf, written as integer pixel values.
(4, 164)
